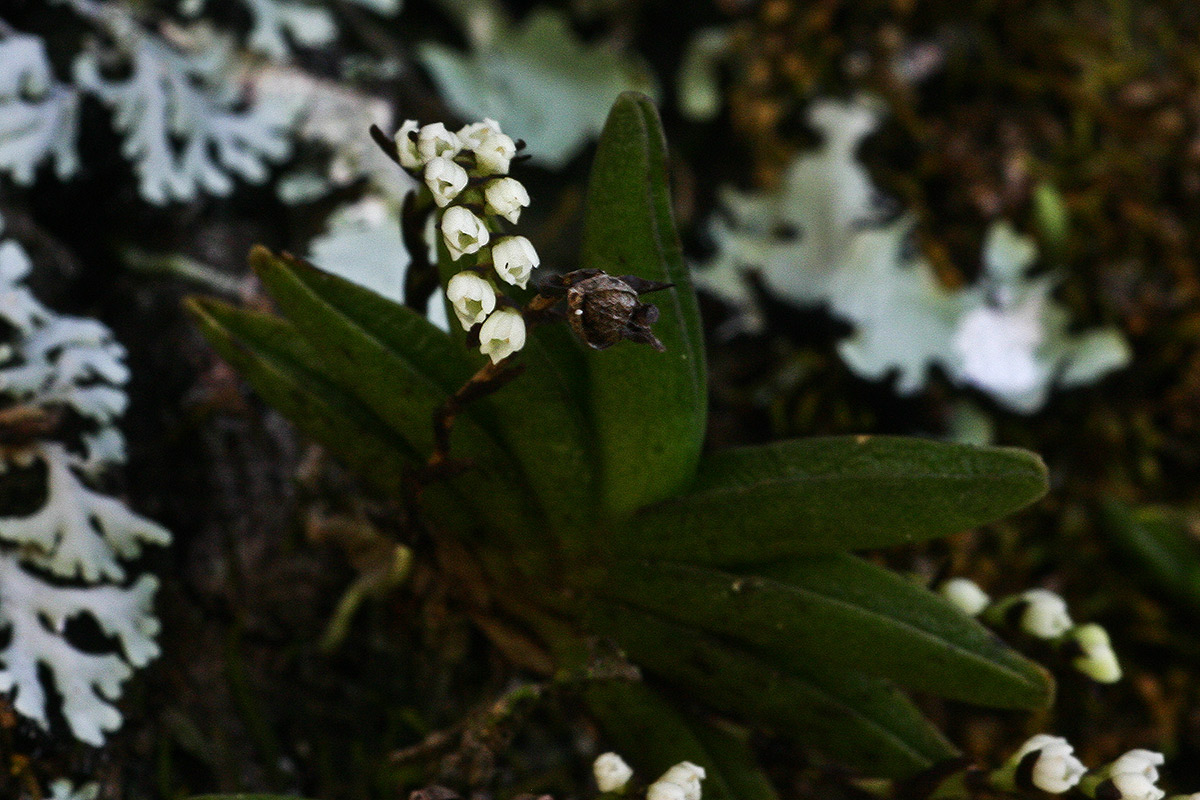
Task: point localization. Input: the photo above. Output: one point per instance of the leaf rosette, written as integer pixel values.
(727, 578)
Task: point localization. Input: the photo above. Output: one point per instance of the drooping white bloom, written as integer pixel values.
(463, 232)
(445, 180)
(966, 595)
(1045, 615)
(494, 154)
(665, 790)
(434, 141)
(686, 776)
(406, 145)
(612, 773)
(1131, 777)
(1135, 786)
(472, 298)
(506, 197)
(473, 135)
(514, 259)
(1054, 769)
(1138, 762)
(1096, 658)
(502, 334)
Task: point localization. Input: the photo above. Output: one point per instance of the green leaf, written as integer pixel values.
(810, 496)
(649, 408)
(734, 761)
(643, 727)
(404, 393)
(1159, 542)
(861, 722)
(536, 417)
(273, 357)
(841, 611)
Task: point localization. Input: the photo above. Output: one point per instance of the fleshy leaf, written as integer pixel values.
(861, 722)
(1160, 543)
(537, 417)
(823, 495)
(271, 355)
(403, 388)
(641, 725)
(649, 408)
(844, 612)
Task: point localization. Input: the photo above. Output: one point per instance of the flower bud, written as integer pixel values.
(494, 154)
(406, 145)
(502, 334)
(506, 197)
(514, 259)
(1091, 653)
(445, 180)
(434, 141)
(1038, 612)
(686, 776)
(471, 297)
(966, 595)
(1044, 762)
(612, 773)
(473, 135)
(463, 232)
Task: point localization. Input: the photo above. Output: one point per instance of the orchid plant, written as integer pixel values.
(560, 480)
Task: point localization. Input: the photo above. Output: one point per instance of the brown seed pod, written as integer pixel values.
(604, 309)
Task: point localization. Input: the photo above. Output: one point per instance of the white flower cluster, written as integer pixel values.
(466, 173)
(1048, 763)
(680, 782)
(1044, 615)
(62, 559)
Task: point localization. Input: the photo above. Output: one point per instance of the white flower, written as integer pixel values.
(506, 197)
(463, 232)
(406, 145)
(514, 259)
(612, 773)
(1096, 658)
(1138, 762)
(1054, 769)
(445, 179)
(966, 595)
(435, 141)
(502, 334)
(1046, 615)
(473, 135)
(472, 298)
(686, 776)
(494, 154)
(1133, 786)
(665, 790)
(1132, 777)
